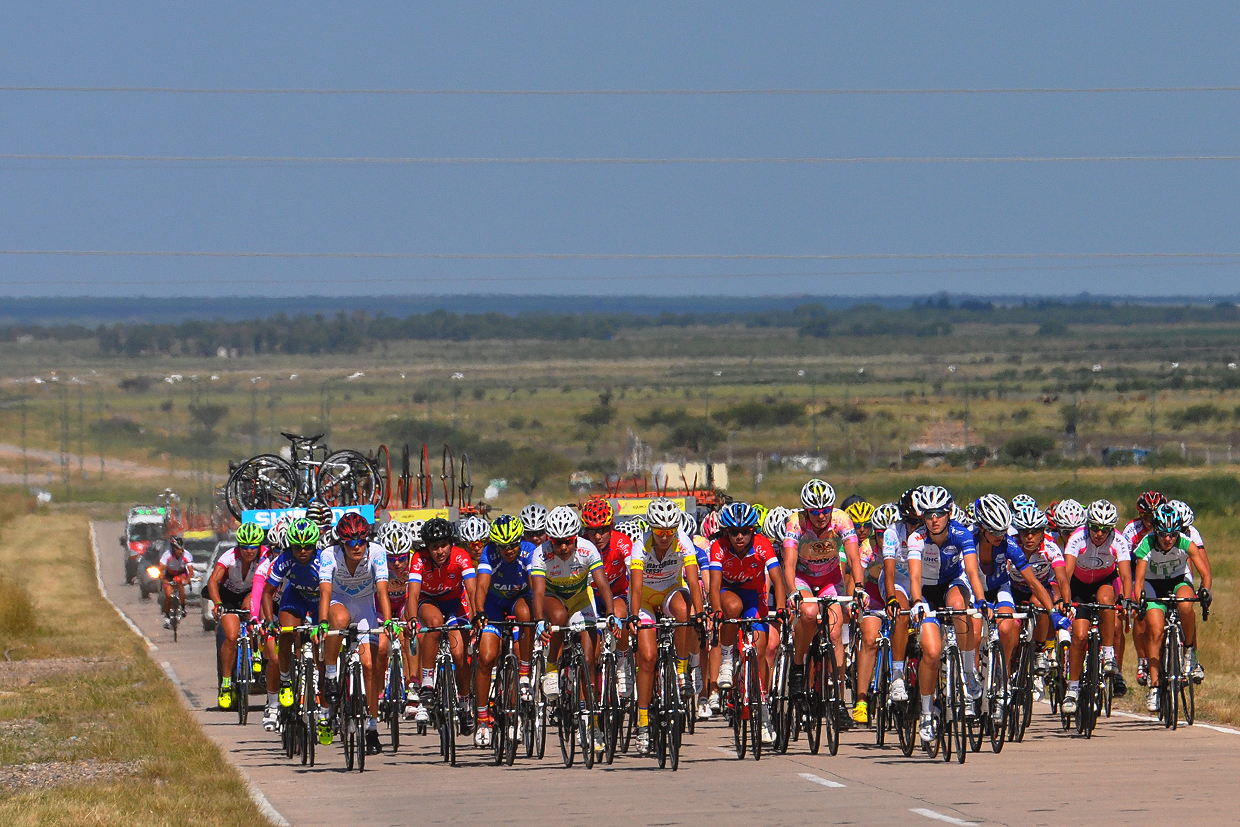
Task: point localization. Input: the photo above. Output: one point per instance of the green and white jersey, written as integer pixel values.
(1163, 565)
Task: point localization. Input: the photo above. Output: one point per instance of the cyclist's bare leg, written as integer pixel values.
(488, 654)
(1188, 618)
(899, 630)
(557, 615)
(931, 653)
(1154, 628)
(371, 677)
(647, 653)
(620, 608)
(288, 640)
(870, 627)
(231, 625)
(337, 619)
(1009, 633)
(806, 628)
(428, 643)
(835, 617)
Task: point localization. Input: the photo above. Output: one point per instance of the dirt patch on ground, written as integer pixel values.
(26, 672)
(26, 776)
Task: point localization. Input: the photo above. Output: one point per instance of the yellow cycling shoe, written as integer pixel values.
(861, 712)
(286, 694)
(226, 694)
(325, 733)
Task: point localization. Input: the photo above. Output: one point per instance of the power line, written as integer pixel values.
(616, 161)
(617, 256)
(789, 92)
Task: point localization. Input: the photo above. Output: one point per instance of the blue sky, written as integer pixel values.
(1077, 209)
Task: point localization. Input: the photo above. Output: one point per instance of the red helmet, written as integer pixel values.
(1149, 501)
(352, 526)
(596, 512)
(1050, 516)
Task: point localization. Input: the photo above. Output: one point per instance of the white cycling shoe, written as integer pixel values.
(1069, 701)
(725, 675)
(482, 738)
(1151, 700)
(898, 692)
(551, 685)
(270, 720)
(925, 729)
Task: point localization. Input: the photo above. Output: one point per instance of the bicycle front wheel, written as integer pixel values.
(242, 679)
(781, 703)
(959, 703)
(998, 699)
(738, 700)
(360, 708)
(880, 712)
(610, 712)
(832, 696)
(587, 716)
(445, 687)
(566, 716)
(754, 690)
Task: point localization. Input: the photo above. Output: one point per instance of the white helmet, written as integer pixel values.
(885, 516)
(396, 538)
(961, 516)
(932, 498)
(1069, 514)
(414, 527)
(817, 494)
(277, 537)
(562, 522)
(473, 529)
(534, 518)
(1028, 518)
(688, 523)
(1186, 513)
(775, 524)
(663, 513)
(993, 513)
(631, 529)
(1102, 513)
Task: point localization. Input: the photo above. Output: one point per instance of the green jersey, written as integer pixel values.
(1163, 565)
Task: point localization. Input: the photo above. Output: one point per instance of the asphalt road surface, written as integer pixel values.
(1131, 772)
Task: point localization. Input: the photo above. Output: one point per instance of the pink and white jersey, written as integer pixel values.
(818, 555)
(1094, 563)
(1043, 561)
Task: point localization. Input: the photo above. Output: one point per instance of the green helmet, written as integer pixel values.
(303, 532)
(250, 534)
(506, 530)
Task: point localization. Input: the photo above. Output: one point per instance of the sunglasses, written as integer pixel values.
(305, 547)
(665, 532)
(402, 558)
(355, 543)
(1100, 529)
(741, 530)
(819, 512)
(938, 512)
(563, 541)
(510, 546)
(249, 548)
(593, 532)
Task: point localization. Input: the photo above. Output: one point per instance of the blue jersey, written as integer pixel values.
(943, 564)
(302, 578)
(509, 581)
(1007, 553)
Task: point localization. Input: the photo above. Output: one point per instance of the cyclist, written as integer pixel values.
(943, 573)
(295, 576)
(277, 542)
(229, 587)
(473, 532)
(711, 580)
(1094, 555)
(565, 568)
(1134, 532)
(663, 581)
(862, 513)
(1046, 558)
(811, 562)
(321, 515)
(353, 577)
(616, 549)
(1000, 558)
(442, 580)
(178, 567)
(896, 586)
(1163, 556)
(1064, 519)
(744, 559)
(534, 518)
(397, 542)
(505, 574)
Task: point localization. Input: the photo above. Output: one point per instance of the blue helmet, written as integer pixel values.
(738, 515)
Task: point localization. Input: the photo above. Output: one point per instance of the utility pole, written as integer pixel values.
(81, 432)
(99, 417)
(25, 467)
(1153, 449)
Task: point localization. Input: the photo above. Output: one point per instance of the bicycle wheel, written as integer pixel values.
(510, 701)
(566, 715)
(308, 702)
(175, 614)
(1087, 694)
(780, 702)
(610, 712)
(360, 716)
(587, 716)
(832, 695)
(975, 726)
(908, 710)
(739, 702)
(242, 679)
(672, 714)
(656, 713)
(754, 691)
(880, 711)
(445, 688)
(812, 701)
(264, 481)
(997, 701)
(959, 702)
(1188, 700)
(1171, 680)
(395, 694)
(347, 478)
(1108, 694)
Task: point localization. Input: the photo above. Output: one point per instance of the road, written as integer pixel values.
(1131, 771)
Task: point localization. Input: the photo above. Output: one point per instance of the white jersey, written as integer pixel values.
(358, 587)
(659, 575)
(1042, 561)
(174, 563)
(1194, 536)
(1093, 563)
(235, 579)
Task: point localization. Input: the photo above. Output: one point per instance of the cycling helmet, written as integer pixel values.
(303, 532)
(534, 517)
(1028, 518)
(738, 515)
(849, 500)
(1069, 515)
(397, 540)
(932, 498)
(663, 513)
(277, 537)
(473, 529)
(1023, 499)
(1102, 513)
(250, 534)
(1050, 514)
(352, 526)
(1186, 513)
(817, 494)
(177, 541)
(961, 516)
(414, 527)
(908, 506)
(970, 512)
(563, 522)
(993, 513)
(382, 530)
(688, 523)
(506, 530)
(320, 515)
(1166, 520)
(437, 530)
(860, 512)
(1149, 501)
(775, 524)
(597, 512)
(885, 516)
(710, 525)
(631, 529)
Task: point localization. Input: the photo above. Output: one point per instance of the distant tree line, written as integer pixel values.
(361, 331)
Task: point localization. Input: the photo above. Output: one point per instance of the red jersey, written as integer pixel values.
(441, 582)
(748, 572)
(616, 559)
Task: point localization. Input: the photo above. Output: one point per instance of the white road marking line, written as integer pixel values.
(818, 779)
(724, 750)
(922, 811)
(94, 545)
(1196, 725)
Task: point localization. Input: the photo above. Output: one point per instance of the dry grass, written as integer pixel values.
(110, 740)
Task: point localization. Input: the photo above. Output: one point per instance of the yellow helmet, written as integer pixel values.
(860, 512)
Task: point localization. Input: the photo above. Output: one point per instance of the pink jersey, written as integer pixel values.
(259, 584)
(818, 556)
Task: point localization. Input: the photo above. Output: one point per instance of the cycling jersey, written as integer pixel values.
(1006, 559)
(396, 588)
(1044, 562)
(818, 555)
(509, 581)
(1194, 536)
(1135, 532)
(176, 564)
(237, 576)
(747, 571)
(569, 580)
(616, 560)
(442, 583)
(359, 586)
(941, 564)
(262, 567)
(666, 573)
(1163, 565)
(1096, 563)
(299, 582)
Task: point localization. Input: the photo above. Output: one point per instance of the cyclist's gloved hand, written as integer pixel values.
(782, 615)
(920, 609)
(861, 598)
(1142, 608)
(1060, 621)
(270, 628)
(392, 627)
(1203, 594)
(614, 623)
(480, 620)
(541, 628)
(893, 606)
(320, 631)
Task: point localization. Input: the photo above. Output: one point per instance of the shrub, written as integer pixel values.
(17, 616)
(1027, 448)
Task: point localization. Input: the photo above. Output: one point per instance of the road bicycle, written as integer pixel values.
(349, 711)
(823, 702)
(1176, 688)
(1094, 690)
(446, 711)
(576, 711)
(1020, 704)
(742, 701)
(535, 708)
(297, 722)
(669, 702)
(505, 699)
(991, 709)
(392, 698)
(243, 671)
